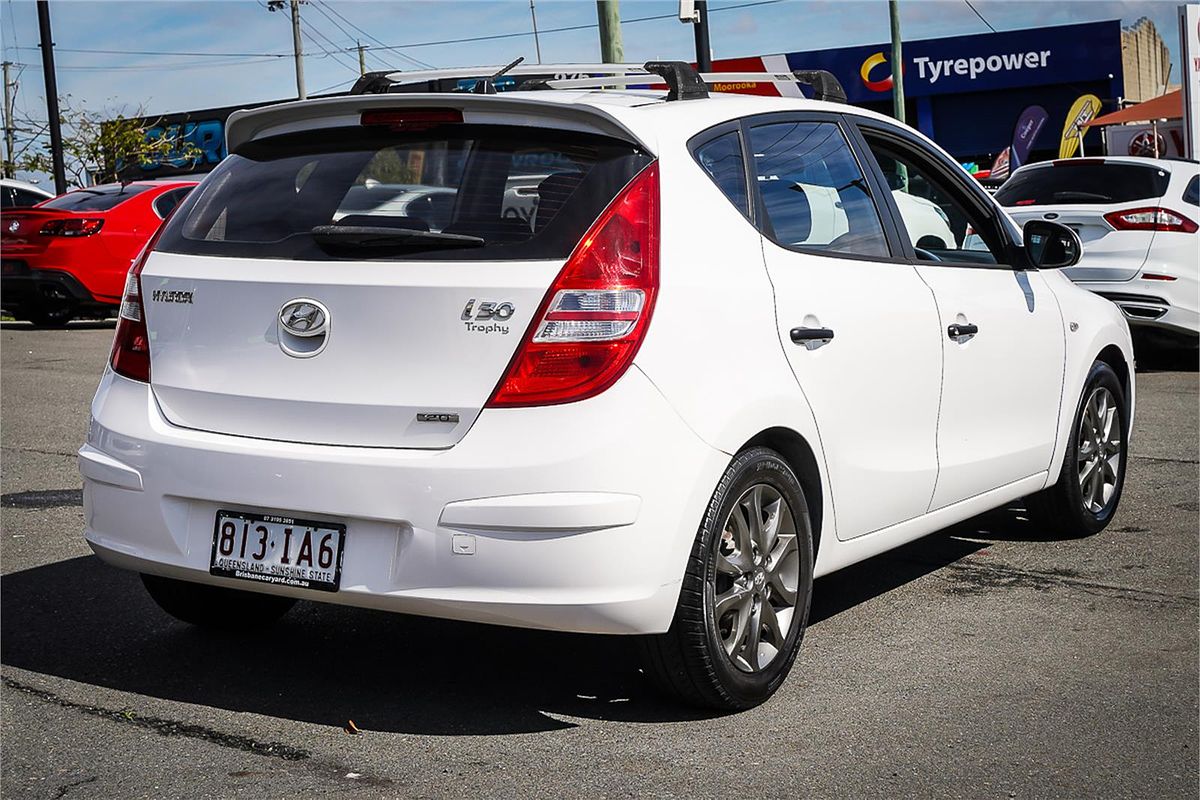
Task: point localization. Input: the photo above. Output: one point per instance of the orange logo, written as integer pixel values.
(871, 63)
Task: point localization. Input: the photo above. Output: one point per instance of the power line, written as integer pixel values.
(984, 21)
(372, 38)
(566, 28)
(58, 49)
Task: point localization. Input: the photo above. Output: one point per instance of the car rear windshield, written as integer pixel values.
(1074, 182)
(97, 198)
(458, 192)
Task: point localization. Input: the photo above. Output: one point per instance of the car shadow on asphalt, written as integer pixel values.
(83, 620)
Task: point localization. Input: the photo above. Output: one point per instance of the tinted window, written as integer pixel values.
(165, 203)
(526, 193)
(813, 191)
(1192, 193)
(19, 198)
(97, 198)
(1083, 181)
(940, 226)
(722, 160)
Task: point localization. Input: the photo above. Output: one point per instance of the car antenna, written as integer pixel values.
(488, 85)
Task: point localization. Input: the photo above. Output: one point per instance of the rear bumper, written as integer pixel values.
(23, 287)
(577, 517)
(1154, 304)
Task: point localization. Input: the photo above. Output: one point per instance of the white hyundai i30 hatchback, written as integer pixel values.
(705, 363)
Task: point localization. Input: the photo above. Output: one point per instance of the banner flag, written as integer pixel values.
(1025, 132)
(1083, 111)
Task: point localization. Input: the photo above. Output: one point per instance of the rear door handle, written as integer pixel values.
(801, 335)
(955, 331)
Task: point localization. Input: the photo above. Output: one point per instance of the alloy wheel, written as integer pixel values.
(756, 578)
(1099, 453)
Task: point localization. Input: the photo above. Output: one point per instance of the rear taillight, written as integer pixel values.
(1150, 219)
(596, 313)
(72, 226)
(131, 344)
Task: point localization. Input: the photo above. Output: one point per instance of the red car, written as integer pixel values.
(68, 257)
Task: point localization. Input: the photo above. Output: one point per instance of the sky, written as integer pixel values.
(177, 55)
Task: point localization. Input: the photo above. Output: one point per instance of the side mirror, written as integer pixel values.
(1050, 245)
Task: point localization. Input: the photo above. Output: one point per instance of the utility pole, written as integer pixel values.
(297, 45)
(536, 42)
(298, 50)
(53, 120)
(703, 47)
(897, 62)
(362, 60)
(9, 166)
(609, 15)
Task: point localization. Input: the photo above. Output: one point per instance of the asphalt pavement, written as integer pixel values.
(982, 661)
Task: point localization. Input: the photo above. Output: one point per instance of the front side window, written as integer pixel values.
(812, 190)
(940, 226)
(722, 160)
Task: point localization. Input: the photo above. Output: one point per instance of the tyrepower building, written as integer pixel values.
(966, 92)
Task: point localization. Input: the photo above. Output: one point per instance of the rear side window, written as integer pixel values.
(1083, 182)
(722, 160)
(458, 192)
(1192, 193)
(814, 194)
(97, 198)
(165, 203)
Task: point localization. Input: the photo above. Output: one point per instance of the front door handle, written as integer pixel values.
(955, 331)
(802, 335)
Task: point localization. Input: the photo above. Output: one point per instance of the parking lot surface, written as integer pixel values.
(984, 661)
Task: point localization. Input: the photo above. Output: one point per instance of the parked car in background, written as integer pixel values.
(68, 257)
(18, 194)
(1137, 218)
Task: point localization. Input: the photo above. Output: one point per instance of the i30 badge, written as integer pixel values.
(304, 317)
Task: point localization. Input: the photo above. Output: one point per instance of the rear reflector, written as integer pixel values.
(1151, 276)
(411, 119)
(1150, 219)
(596, 313)
(72, 226)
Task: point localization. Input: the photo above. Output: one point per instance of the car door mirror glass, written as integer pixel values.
(1051, 245)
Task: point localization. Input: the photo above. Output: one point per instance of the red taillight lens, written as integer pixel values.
(596, 313)
(411, 119)
(1150, 219)
(131, 344)
(72, 226)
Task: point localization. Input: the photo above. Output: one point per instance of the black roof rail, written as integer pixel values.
(683, 82)
(823, 83)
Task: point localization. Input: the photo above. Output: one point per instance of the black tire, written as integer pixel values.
(1059, 510)
(690, 661)
(51, 314)
(215, 607)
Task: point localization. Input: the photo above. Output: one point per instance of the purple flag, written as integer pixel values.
(1028, 126)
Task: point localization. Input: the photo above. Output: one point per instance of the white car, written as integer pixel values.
(661, 406)
(1137, 218)
(18, 194)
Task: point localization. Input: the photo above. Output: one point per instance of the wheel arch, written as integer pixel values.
(800, 456)
(1113, 356)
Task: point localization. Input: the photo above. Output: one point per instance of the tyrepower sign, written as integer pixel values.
(1068, 54)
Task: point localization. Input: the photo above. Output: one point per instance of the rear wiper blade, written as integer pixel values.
(379, 236)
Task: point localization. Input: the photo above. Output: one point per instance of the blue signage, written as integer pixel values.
(965, 64)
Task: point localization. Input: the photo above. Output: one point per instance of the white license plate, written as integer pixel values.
(269, 548)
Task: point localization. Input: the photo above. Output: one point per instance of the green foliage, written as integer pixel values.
(97, 143)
